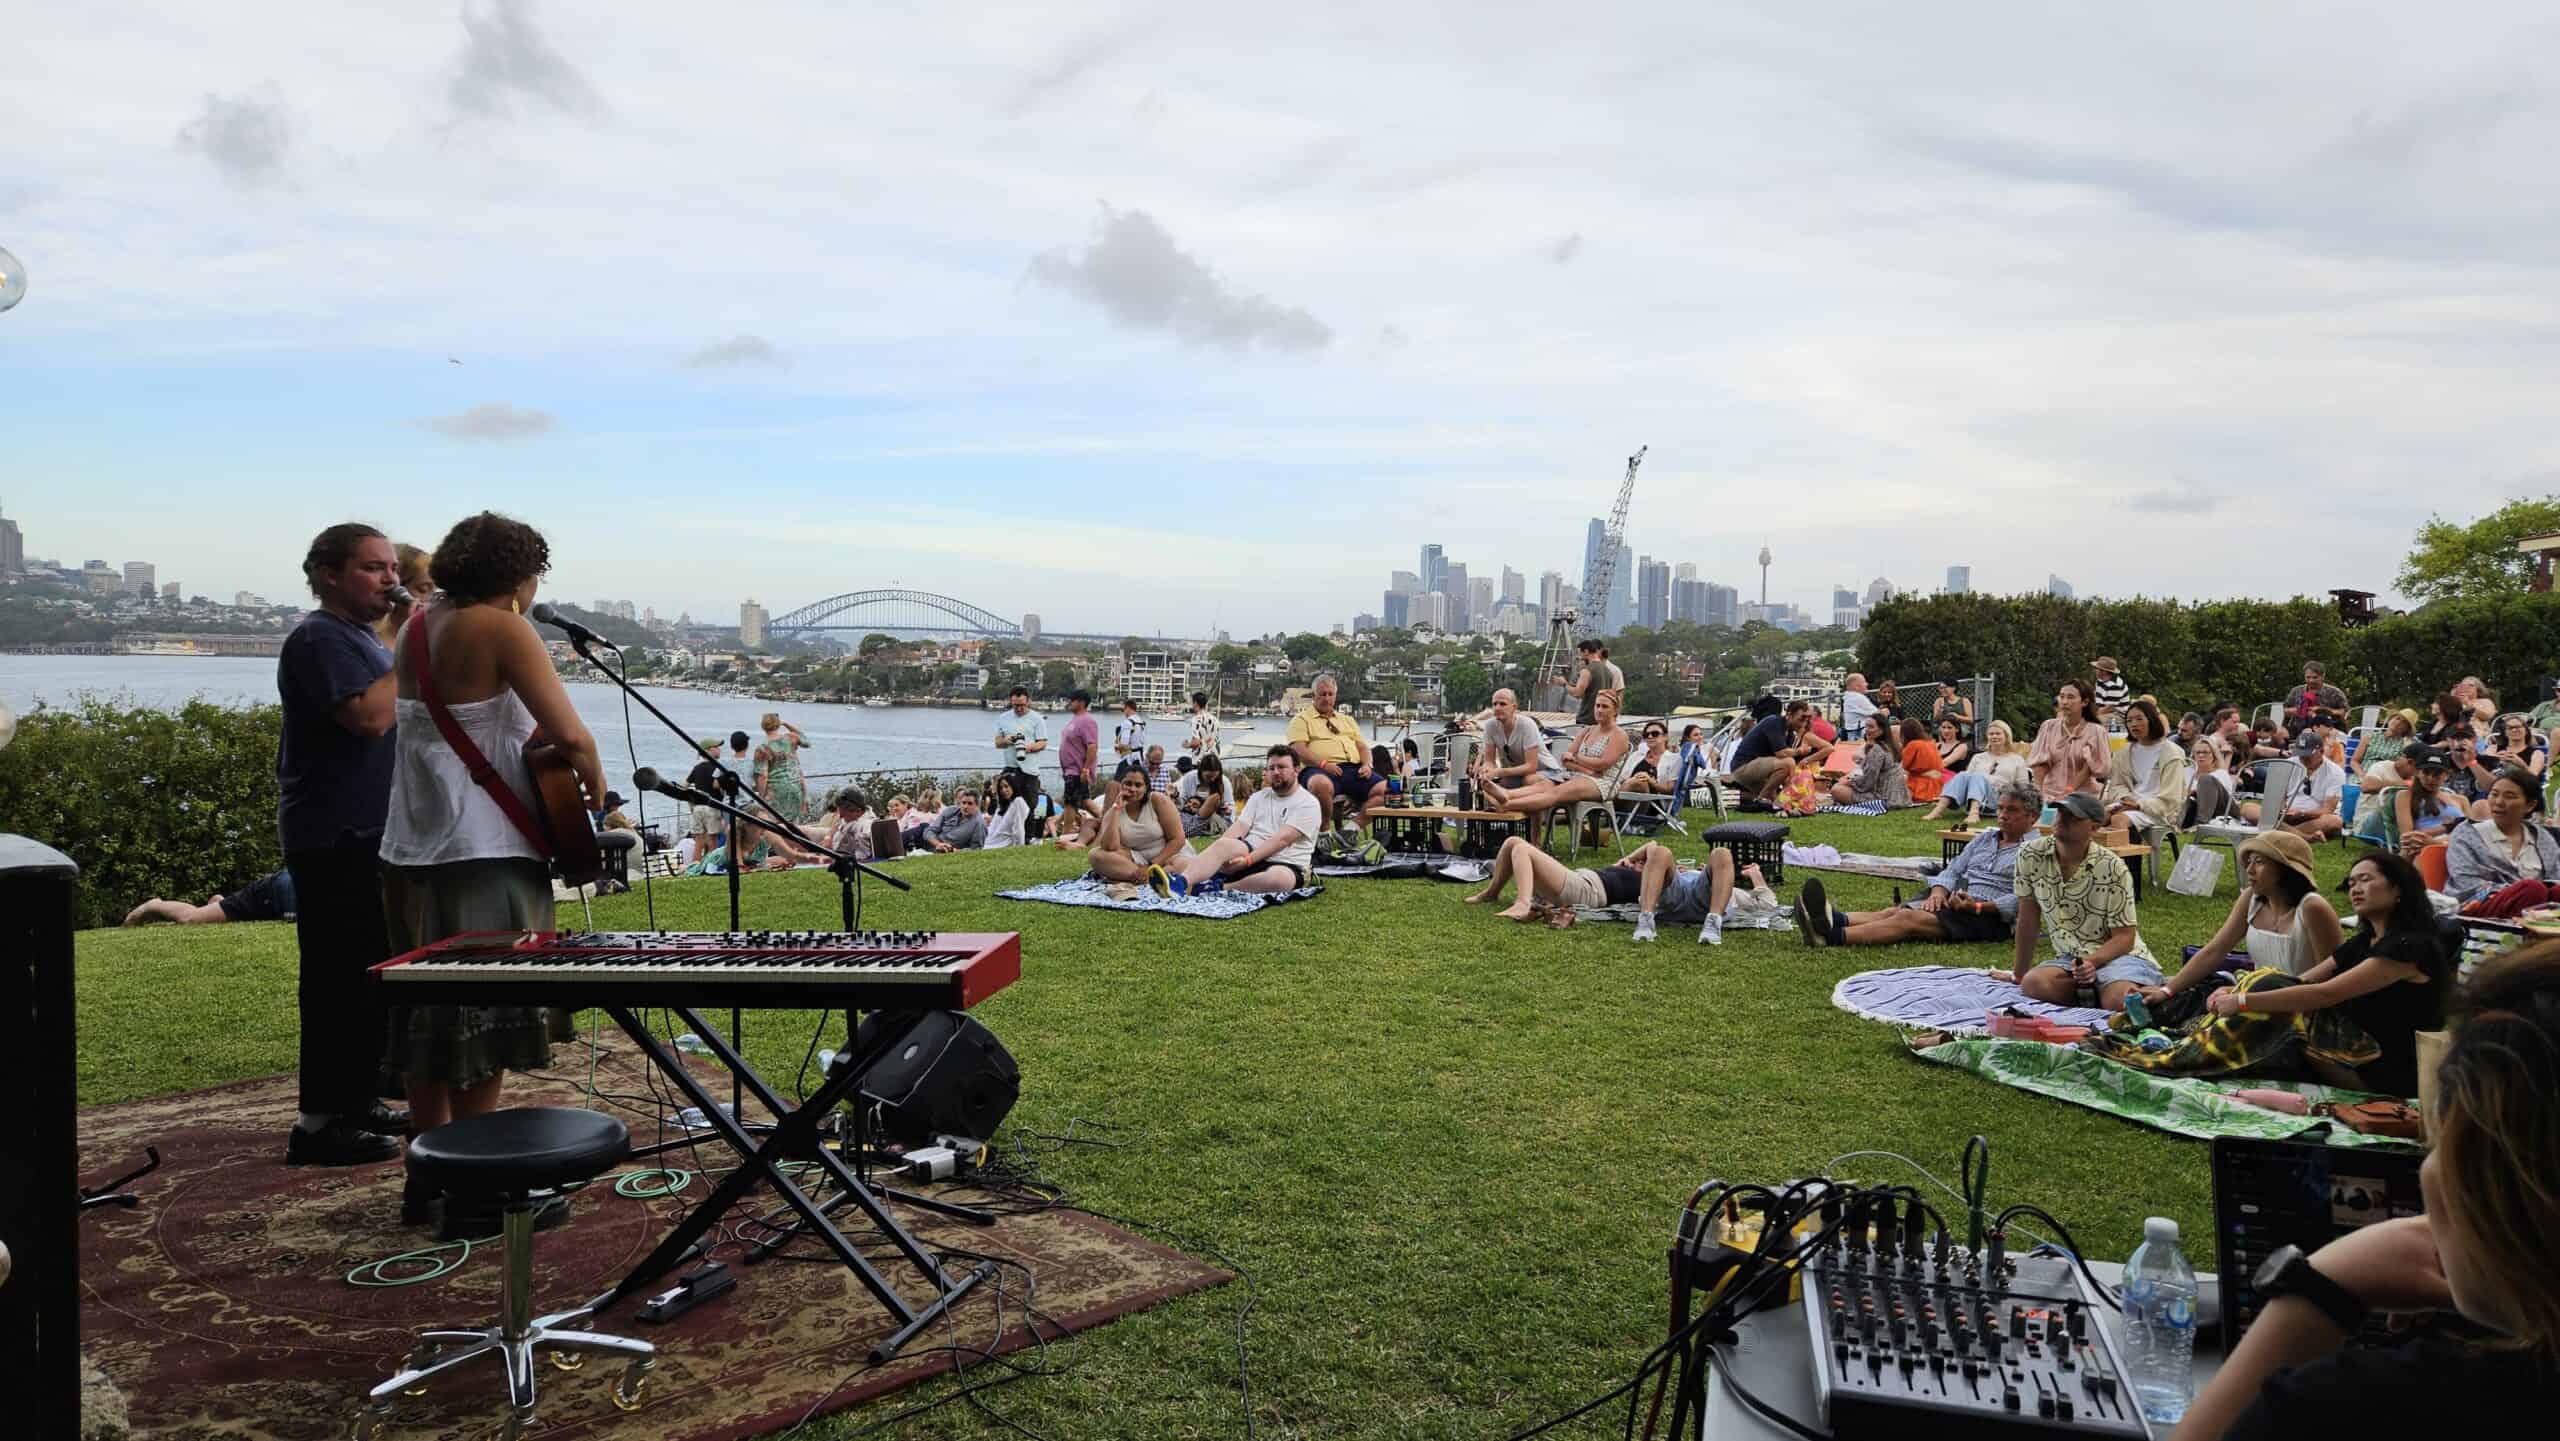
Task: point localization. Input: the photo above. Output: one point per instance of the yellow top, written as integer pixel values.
(1334, 738)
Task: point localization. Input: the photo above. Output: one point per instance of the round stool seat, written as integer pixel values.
(529, 1148)
(616, 840)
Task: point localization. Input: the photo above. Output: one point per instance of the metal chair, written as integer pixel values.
(2280, 779)
(520, 1158)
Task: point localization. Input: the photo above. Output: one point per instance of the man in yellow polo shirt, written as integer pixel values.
(1332, 759)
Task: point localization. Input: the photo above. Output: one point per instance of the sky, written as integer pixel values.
(1169, 318)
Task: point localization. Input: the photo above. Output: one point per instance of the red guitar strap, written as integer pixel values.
(483, 774)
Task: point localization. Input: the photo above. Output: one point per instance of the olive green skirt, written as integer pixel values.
(461, 1046)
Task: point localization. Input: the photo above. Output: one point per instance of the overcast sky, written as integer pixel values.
(1152, 319)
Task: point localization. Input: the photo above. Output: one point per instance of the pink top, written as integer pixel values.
(2074, 760)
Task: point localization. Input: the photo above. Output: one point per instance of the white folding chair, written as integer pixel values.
(2282, 777)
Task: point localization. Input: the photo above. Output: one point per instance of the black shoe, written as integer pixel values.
(1813, 914)
(339, 1143)
(381, 1121)
(476, 1218)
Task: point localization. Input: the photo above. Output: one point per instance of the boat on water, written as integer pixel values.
(874, 703)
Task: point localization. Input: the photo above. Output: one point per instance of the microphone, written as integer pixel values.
(646, 779)
(578, 634)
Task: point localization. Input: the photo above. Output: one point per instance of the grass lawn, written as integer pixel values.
(1448, 1148)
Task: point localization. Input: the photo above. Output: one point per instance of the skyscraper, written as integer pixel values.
(1397, 609)
(2056, 585)
(1688, 598)
(1724, 605)
(1435, 568)
(1653, 608)
(1405, 582)
(13, 548)
(1878, 591)
(1550, 595)
(1843, 598)
(751, 621)
(1453, 584)
(1592, 537)
(1959, 580)
(1515, 586)
(1431, 608)
(1685, 570)
(1480, 602)
(1622, 604)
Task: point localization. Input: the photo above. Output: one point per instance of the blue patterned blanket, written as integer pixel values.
(1954, 999)
(1222, 906)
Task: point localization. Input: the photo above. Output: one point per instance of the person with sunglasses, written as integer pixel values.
(1652, 770)
(1333, 761)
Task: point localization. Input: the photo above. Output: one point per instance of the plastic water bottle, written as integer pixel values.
(691, 1045)
(2160, 1322)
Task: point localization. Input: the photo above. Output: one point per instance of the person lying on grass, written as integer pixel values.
(1650, 876)
(1974, 899)
(269, 898)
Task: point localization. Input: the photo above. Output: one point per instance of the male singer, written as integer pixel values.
(334, 769)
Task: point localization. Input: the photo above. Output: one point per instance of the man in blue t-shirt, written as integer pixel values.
(334, 770)
(1769, 751)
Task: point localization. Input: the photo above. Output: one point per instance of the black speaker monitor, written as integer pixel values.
(949, 1076)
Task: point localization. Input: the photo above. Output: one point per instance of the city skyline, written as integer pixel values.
(1121, 285)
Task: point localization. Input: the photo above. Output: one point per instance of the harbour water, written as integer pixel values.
(842, 738)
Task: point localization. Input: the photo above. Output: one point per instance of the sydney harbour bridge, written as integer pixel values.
(918, 613)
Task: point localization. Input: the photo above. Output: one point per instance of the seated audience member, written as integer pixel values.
(2316, 699)
(2268, 741)
(1974, 899)
(1924, 769)
(1590, 770)
(1142, 833)
(2507, 863)
(2080, 894)
(2399, 729)
(1650, 878)
(2213, 791)
(2421, 812)
(929, 802)
(1694, 765)
(2147, 780)
(1205, 798)
(852, 833)
(1271, 847)
(1333, 762)
(2479, 706)
(2071, 754)
(1510, 747)
(2279, 920)
(2190, 730)
(959, 827)
(912, 822)
(1409, 763)
(1770, 751)
(2311, 812)
(1857, 708)
(1161, 776)
(1888, 707)
(1953, 705)
(1999, 766)
(2387, 981)
(611, 817)
(2107, 698)
(1652, 770)
(762, 849)
(2516, 743)
(1955, 752)
(1874, 774)
(2545, 717)
(1011, 825)
(268, 898)
(2482, 1248)
(2452, 713)
(2470, 777)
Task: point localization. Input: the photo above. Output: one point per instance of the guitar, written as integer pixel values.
(560, 807)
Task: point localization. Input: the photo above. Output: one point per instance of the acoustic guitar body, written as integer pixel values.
(561, 806)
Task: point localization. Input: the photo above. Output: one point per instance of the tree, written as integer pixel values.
(1057, 678)
(875, 643)
(2476, 559)
(1464, 686)
(1303, 645)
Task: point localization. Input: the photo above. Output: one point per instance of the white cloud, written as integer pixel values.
(1143, 281)
(495, 420)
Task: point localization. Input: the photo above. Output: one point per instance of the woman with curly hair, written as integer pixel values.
(455, 858)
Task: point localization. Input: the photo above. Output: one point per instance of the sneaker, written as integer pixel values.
(1158, 881)
(339, 1143)
(1178, 885)
(1813, 914)
(1712, 932)
(1644, 926)
(1209, 887)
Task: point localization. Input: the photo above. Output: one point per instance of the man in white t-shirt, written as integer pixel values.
(1271, 845)
(2312, 811)
(1129, 737)
(1856, 710)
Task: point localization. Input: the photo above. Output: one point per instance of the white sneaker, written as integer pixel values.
(1644, 926)
(1712, 933)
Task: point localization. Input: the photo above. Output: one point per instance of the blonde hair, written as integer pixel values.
(772, 720)
(2497, 1141)
(2001, 730)
(413, 566)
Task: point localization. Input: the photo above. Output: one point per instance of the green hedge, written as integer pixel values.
(149, 802)
(2191, 654)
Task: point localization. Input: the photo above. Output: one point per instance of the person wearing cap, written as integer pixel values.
(2471, 778)
(705, 777)
(2506, 863)
(2071, 755)
(1974, 899)
(2312, 810)
(2080, 895)
(2423, 811)
(2113, 691)
(2280, 920)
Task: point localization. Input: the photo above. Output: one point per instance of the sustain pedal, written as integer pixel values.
(713, 1281)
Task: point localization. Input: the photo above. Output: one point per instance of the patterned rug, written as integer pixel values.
(221, 1303)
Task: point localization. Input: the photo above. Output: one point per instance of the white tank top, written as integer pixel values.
(2284, 950)
(438, 813)
(1142, 834)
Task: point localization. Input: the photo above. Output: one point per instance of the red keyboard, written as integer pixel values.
(846, 970)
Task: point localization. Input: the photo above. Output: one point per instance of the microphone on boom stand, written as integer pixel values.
(578, 635)
(647, 779)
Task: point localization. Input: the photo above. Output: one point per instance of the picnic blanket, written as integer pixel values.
(1861, 808)
(2181, 1105)
(1397, 866)
(1220, 906)
(1736, 918)
(1954, 999)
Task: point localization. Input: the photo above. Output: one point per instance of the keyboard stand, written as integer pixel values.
(794, 1137)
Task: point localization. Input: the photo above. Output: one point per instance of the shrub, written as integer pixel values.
(149, 802)
(2510, 641)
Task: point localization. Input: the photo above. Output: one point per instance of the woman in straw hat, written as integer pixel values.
(2280, 919)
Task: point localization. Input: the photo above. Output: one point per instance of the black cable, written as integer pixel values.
(1977, 1186)
(1724, 1358)
(2070, 1248)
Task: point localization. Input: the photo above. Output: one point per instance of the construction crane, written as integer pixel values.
(1597, 577)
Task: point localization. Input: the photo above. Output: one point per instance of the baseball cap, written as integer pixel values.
(2307, 743)
(2423, 755)
(612, 799)
(2083, 805)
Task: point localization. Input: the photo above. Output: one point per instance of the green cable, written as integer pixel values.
(437, 1263)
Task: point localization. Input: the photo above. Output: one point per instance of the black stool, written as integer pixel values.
(517, 1157)
(615, 847)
